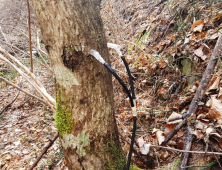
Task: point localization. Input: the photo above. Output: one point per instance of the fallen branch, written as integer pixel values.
(171, 135)
(38, 43)
(183, 151)
(33, 81)
(45, 102)
(191, 114)
(199, 93)
(16, 107)
(9, 103)
(43, 152)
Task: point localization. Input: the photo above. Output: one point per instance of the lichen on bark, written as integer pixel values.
(76, 142)
(65, 77)
(63, 118)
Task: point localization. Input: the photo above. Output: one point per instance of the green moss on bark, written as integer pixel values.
(118, 159)
(63, 118)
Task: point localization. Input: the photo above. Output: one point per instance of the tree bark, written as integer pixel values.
(84, 100)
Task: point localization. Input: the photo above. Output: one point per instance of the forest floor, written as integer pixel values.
(167, 45)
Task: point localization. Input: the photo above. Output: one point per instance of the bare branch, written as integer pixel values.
(9, 103)
(43, 152)
(34, 82)
(30, 38)
(45, 102)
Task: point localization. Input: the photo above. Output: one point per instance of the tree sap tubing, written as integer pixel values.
(130, 76)
(120, 81)
(134, 117)
(132, 143)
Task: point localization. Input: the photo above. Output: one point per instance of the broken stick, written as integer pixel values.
(44, 151)
(10, 103)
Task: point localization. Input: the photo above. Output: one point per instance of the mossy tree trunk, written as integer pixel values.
(84, 109)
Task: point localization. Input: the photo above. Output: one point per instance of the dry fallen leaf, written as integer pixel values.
(201, 125)
(214, 83)
(180, 134)
(217, 17)
(220, 93)
(180, 145)
(212, 131)
(159, 135)
(174, 115)
(198, 134)
(169, 128)
(145, 149)
(8, 157)
(198, 28)
(141, 141)
(213, 114)
(199, 53)
(197, 23)
(215, 104)
(172, 143)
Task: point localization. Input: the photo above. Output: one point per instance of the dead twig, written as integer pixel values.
(10, 103)
(12, 84)
(44, 65)
(190, 116)
(178, 127)
(28, 75)
(183, 151)
(16, 107)
(44, 151)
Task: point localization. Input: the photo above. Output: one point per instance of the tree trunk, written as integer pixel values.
(84, 100)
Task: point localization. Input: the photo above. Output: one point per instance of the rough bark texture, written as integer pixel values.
(84, 109)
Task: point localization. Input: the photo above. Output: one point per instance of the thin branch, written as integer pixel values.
(45, 102)
(43, 152)
(34, 82)
(184, 151)
(6, 40)
(46, 66)
(38, 43)
(27, 77)
(30, 38)
(10, 103)
(16, 107)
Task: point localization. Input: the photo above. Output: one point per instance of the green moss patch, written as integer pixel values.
(63, 118)
(118, 159)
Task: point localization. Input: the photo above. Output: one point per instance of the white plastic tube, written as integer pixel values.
(116, 47)
(97, 55)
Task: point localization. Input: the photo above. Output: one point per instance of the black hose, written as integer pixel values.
(132, 143)
(130, 76)
(134, 117)
(131, 97)
(120, 81)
